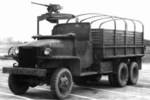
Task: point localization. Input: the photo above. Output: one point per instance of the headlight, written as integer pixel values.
(47, 51)
(10, 51)
(16, 51)
(13, 51)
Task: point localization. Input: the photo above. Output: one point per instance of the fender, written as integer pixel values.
(71, 62)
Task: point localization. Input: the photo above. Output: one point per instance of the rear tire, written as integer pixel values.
(119, 79)
(133, 73)
(17, 86)
(61, 83)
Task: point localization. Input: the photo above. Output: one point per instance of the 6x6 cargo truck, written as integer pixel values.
(76, 52)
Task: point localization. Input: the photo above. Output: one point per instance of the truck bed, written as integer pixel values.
(116, 43)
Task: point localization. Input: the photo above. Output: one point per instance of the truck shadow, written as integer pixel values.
(89, 88)
(92, 86)
(40, 94)
(140, 85)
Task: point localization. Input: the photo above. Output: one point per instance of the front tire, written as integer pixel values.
(17, 86)
(133, 73)
(61, 83)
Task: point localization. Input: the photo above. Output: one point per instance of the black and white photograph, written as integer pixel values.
(74, 50)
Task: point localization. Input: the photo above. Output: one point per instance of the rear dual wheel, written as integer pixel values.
(61, 83)
(125, 75)
(133, 73)
(119, 79)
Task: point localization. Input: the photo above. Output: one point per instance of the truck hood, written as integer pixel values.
(59, 46)
(45, 42)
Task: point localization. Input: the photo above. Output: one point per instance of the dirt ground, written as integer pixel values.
(94, 91)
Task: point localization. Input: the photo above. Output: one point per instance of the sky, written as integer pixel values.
(18, 17)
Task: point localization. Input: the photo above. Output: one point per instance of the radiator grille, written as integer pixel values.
(27, 57)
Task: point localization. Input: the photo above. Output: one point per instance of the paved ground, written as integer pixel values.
(94, 91)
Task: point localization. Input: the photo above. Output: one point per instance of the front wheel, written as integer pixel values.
(61, 83)
(16, 85)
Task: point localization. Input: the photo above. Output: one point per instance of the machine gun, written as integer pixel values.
(53, 15)
(51, 7)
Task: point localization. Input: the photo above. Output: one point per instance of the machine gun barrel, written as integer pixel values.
(40, 4)
(51, 7)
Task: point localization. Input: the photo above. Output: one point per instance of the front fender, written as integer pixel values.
(70, 62)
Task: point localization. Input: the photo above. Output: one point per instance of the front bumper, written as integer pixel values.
(25, 71)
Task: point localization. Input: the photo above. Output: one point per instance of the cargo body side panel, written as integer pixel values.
(107, 44)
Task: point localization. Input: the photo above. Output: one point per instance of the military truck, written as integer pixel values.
(76, 52)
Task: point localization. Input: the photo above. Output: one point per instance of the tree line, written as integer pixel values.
(9, 40)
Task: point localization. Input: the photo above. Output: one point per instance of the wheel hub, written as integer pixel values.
(123, 74)
(135, 73)
(64, 83)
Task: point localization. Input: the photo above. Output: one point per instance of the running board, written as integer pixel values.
(87, 73)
